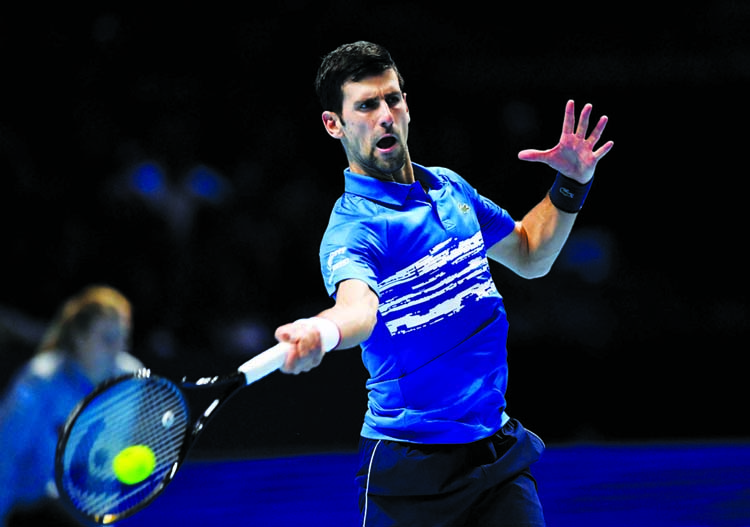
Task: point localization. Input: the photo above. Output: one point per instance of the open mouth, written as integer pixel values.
(386, 143)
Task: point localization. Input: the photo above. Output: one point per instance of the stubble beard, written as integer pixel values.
(390, 165)
(385, 167)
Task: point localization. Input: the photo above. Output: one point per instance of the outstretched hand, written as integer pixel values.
(574, 156)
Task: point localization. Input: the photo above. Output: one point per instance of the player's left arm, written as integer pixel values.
(533, 246)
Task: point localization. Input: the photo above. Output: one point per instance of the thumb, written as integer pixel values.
(532, 155)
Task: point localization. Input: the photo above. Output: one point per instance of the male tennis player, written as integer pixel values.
(405, 258)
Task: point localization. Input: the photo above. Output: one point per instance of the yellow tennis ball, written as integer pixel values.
(134, 464)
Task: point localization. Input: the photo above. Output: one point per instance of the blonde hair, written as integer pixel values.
(78, 313)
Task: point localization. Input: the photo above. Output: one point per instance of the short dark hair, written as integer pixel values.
(350, 62)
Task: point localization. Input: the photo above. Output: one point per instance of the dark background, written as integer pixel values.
(178, 155)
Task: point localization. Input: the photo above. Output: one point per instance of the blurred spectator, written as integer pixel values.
(85, 344)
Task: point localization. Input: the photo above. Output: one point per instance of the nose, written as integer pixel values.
(386, 116)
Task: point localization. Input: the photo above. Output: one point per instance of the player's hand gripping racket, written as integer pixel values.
(124, 442)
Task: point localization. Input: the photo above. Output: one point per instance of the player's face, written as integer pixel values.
(374, 127)
(97, 348)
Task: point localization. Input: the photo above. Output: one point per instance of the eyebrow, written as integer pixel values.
(377, 97)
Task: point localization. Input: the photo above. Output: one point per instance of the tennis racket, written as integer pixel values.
(138, 411)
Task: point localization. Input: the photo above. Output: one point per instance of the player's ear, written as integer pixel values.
(332, 124)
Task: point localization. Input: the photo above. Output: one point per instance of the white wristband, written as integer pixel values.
(330, 336)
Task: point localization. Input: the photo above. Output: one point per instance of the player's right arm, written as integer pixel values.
(353, 315)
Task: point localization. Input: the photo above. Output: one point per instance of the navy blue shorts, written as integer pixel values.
(487, 483)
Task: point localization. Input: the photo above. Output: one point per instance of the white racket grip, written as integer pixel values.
(264, 363)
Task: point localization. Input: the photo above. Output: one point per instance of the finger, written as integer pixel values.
(301, 358)
(583, 122)
(532, 155)
(282, 333)
(605, 148)
(308, 357)
(598, 130)
(291, 361)
(570, 117)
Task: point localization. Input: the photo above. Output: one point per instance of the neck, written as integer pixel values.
(406, 174)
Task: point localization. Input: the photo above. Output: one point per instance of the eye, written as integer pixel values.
(367, 105)
(393, 99)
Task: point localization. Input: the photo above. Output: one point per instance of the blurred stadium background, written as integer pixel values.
(178, 155)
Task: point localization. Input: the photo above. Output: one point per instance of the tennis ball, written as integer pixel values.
(134, 464)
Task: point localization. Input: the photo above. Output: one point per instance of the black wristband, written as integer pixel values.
(568, 194)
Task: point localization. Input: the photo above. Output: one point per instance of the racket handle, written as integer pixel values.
(264, 363)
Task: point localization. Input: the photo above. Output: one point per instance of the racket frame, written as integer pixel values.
(249, 372)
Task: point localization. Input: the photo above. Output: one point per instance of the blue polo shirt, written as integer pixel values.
(436, 357)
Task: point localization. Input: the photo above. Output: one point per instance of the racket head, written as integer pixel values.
(134, 409)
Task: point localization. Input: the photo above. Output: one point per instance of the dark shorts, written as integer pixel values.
(487, 483)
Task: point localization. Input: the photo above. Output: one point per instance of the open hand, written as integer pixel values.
(574, 156)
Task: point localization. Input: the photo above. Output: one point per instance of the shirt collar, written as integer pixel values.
(388, 192)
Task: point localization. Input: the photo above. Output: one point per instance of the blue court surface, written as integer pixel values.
(643, 485)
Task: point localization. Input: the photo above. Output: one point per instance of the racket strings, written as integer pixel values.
(137, 411)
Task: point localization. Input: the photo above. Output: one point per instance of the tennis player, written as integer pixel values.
(405, 257)
(85, 344)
